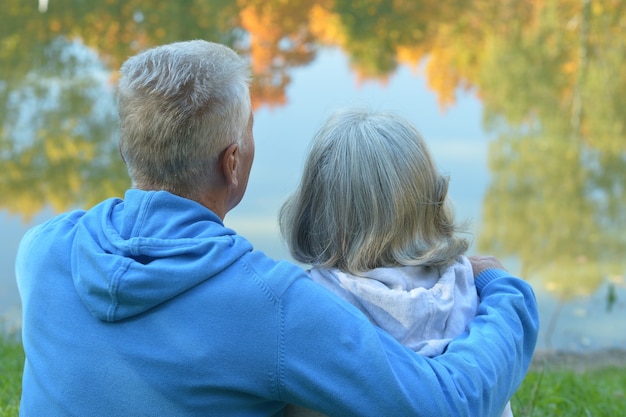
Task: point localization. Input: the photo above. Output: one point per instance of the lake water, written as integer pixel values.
(527, 118)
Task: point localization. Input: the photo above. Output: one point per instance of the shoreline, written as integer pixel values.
(576, 361)
(579, 361)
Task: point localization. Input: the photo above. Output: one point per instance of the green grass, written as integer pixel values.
(550, 389)
(11, 365)
(561, 391)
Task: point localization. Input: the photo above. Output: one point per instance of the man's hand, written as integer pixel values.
(480, 263)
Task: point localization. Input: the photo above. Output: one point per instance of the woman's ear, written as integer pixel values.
(229, 162)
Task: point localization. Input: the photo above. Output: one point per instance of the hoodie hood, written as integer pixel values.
(131, 255)
(421, 307)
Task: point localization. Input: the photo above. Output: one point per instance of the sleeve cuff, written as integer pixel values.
(488, 275)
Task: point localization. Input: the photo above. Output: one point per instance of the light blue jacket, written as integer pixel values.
(149, 306)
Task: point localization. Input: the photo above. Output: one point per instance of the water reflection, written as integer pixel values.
(556, 105)
(60, 118)
(555, 203)
(550, 77)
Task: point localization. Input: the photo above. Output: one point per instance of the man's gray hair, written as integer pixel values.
(180, 106)
(370, 196)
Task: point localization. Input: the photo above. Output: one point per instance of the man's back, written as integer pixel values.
(160, 325)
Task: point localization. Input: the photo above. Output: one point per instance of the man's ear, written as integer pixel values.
(229, 162)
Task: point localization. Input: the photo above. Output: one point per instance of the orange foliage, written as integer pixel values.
(265, 33)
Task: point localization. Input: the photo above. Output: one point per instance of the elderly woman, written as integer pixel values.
(371, 215)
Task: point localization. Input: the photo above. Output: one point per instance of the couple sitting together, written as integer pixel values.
(149, 305)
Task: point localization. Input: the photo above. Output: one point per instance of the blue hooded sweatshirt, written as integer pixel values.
(149, 306)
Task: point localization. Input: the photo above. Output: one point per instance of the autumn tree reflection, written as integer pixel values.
(279, 38)
(62, 121)
(550, 74)
(554, 95)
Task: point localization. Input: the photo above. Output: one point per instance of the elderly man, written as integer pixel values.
(151, 306)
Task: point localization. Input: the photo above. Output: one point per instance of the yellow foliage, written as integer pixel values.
(441, 77)
(411, 56)
(326, 26)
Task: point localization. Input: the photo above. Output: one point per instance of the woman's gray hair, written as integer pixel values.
(370, 196)
(180, 106)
